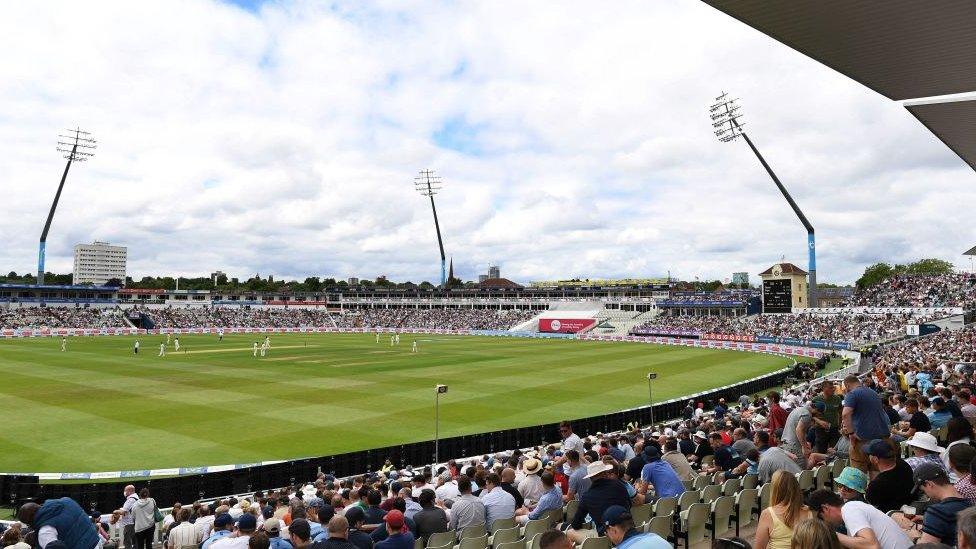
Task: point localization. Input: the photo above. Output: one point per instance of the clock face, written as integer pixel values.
(777, 271)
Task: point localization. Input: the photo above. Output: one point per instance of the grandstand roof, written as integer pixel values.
(499, 283)
(970, 251)
(951, 121)
(898, 48)
(785, 268)
(59, 287)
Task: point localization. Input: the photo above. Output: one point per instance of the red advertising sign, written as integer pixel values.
(565, 325)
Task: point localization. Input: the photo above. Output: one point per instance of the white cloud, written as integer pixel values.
(572, 137)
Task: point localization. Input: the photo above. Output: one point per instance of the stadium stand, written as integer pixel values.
(722, 470)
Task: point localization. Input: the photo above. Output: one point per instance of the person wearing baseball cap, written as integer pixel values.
(938, 524)
(660, 475)
(891, 488)
(223, 527)
(702, 447)
(398, 535)
(623, 534)
(245, 527)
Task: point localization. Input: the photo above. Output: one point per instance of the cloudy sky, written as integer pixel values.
(572, 139)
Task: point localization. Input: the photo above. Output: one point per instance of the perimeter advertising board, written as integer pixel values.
(565, 325)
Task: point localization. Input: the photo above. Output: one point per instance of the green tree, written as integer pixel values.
(930, 266)
(874, 275)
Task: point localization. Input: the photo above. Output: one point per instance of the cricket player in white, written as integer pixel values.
(264, 348)
(220, 334)
(176, 344)
(169, 338)
(414, 350)
(255, 349)
(267, 342)
(64, 343)
(377, 337)
(397, 339)
(135, 347)
(162, 349)
(391, 341)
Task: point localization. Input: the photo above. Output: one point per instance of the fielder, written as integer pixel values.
(397, 336)
(162, 349)
(264, 348)
(255, 349)
(135, 347)
(64, 343)
(176, 344)
(414, 350)
(391, 341)
(220, 334)
(377, 337)
(168, 338)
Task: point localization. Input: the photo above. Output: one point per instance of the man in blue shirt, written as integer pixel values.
(551, 499)
(623, 534)
(603, 493)
(940, 413)
(223, 527)
(863, 419)
(659, 474)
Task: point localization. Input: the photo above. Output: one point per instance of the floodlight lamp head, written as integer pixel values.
(726, 118)
(427, 183)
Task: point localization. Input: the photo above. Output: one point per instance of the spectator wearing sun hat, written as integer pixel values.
(660, 475)
(926, 449)
(853, 482)
(531, 486)
(604, 492)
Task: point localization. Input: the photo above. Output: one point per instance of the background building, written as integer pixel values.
(494, 272)
(740, 278)
(99, 262)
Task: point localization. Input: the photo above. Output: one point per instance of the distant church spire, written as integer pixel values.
(450, 271)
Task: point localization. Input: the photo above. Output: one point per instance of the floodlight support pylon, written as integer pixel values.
(811, 233)
(428, 185)
(79, 139)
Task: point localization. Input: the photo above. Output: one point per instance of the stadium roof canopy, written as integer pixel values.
(902, 49)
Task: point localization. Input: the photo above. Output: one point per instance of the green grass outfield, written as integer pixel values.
(98, 407)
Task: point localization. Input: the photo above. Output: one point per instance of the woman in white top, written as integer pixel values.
(958, 431)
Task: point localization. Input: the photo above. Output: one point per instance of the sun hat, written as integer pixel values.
(272, 525)
(701, 434)
(596, 468)
(853, 478)
(532, 466)
(925, 441)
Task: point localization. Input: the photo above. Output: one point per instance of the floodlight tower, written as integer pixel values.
(429, 184)
(77, 146)
(726, 117)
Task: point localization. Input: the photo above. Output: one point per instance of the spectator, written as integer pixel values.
(399, 536)
(245, 527)
(60, 520)
(498, 503)
(863, 419)
(961, 458)
(223, 527)
(773, 459)
(183, 533)
(891, 488)
(577, 475)
(508, 480)
(604, 492)
(554, 539)
(531, 486)
(966, 525)
(926, 449)
(467, 509)
(659, 475)
(813, 533)
(551, 500)
(144, 519)
(13, 538)
(623, 534)
(853, 483)
(430, 519)
(355, 520)
(958, 431)
(865, 525)
(272, 528)
(786, 509)
(338, 535)
(672, 457)
(938, 524)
